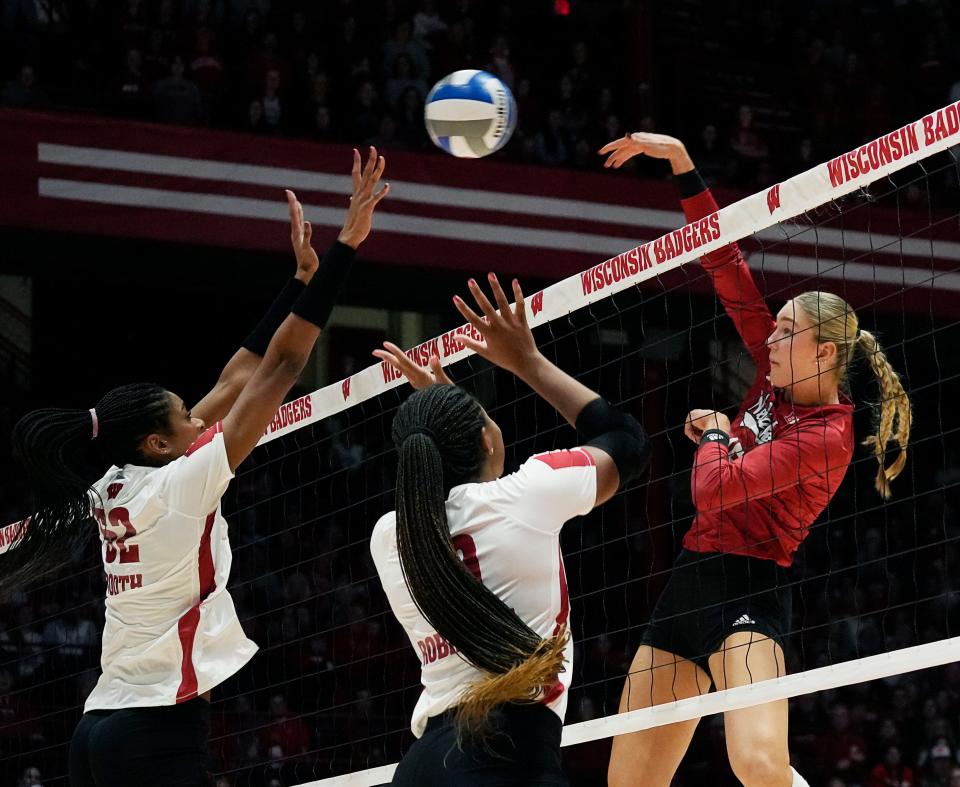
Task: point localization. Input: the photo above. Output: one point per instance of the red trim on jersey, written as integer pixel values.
(205, 438)
(190, 620)
(557, 689)
(561, 459)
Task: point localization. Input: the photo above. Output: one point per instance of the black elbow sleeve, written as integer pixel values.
(617, 434)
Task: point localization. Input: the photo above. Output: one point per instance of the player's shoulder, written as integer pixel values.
(560, 459)
(384, 535)
(205, 439)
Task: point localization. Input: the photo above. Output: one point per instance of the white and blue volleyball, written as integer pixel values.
(470, 114)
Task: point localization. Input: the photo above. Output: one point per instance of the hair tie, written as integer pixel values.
(421, 430)
(96, 423)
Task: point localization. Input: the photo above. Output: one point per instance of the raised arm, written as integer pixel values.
(240, 368)
(291, 345)
(731, 277)
(616, 442)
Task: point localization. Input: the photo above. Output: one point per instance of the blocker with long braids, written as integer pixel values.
(437, 434)
(470, 559)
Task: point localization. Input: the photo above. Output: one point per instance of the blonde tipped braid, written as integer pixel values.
(896, 415)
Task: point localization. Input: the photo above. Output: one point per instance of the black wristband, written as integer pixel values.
(715, 436)
(690, 184)
(323, 291)
(259, 338)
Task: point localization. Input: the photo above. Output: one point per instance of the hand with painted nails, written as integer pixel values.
(364, 199)
(417, 376)
(507, 340)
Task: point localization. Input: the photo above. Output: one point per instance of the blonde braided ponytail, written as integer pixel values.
(895, 415)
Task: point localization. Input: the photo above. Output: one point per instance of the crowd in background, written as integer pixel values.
(778, 85)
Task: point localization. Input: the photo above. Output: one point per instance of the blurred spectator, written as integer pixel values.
(891, 772)
(403, 80)
(31, 778)
(938, 765)
(427, 24)
(842, 751)
(411, 131)
(23, 92)
(553, 145)
(273, 112)
(403, 43)
(176, 99)
(500, 63)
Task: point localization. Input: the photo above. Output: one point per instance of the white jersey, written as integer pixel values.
(508, 534)
(171, 631)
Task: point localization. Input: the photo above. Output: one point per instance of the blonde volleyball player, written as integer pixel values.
(470, 561)
(758, 485)
(171, 632)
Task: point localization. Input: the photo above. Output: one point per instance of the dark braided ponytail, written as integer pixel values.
(437, 432)
(64, 452)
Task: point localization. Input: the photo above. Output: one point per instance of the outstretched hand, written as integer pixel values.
(364, 199)
(300, 234)
(659, 146)
(506, 337)
(416, 375)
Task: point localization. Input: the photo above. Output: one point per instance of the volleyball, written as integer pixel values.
(470, 114)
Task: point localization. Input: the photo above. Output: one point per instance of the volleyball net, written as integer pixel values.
(873, 586)
(328, 698)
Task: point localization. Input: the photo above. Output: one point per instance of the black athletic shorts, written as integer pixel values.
(166, 746)
(710, 596)
(522, 750)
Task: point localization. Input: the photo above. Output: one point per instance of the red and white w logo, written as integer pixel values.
(345, 387)
(536, 303)
(773, 198)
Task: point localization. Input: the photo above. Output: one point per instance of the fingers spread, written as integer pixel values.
(482, 300)
(469, 314)
(499, 295)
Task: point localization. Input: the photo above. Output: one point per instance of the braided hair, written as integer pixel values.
(837, 322)
(437, 432)
(63, 452)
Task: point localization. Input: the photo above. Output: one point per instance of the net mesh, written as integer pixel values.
(333, 687)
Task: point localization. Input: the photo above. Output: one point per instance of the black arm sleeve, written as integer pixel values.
(618, 434)
(259, 339)
(689, 184)
(323, 291)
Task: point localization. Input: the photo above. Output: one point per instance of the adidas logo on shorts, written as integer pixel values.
(743, 620)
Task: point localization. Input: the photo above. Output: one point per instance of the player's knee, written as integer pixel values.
(759, 765)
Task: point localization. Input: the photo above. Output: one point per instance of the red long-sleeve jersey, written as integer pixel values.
(760, 497)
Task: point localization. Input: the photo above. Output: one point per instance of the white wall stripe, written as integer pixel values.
(411, 191)
(276, 210)
(427, 194)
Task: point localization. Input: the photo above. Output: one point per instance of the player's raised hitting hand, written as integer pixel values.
(507, 339)
(417, 376)
(365, 197)
(649, 144)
